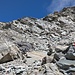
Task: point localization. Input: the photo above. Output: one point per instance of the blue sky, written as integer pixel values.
(14, 9)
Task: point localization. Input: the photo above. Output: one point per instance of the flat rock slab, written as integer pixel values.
(65, 64)
(36, 55)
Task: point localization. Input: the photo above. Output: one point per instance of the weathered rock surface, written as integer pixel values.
(55, 31)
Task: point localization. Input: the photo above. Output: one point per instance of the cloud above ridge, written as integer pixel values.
(58, 5)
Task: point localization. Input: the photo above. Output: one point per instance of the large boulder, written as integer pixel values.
(8, 52)
(61, 48)
(48, 59)
(70, 56)
(24, 46)
(65, 64)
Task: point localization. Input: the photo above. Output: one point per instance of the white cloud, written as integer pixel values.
(57, 5)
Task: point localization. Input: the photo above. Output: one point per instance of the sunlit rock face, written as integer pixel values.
(55, 31)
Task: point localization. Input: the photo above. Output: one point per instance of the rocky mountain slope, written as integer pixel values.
(55, 31)
(51, 29)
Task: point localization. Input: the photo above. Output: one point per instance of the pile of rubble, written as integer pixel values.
(59, 62)
(66, 61)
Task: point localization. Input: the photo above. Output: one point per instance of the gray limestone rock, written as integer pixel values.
(65, 64)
